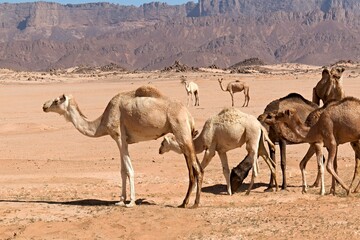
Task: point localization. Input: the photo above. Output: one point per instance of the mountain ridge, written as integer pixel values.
(42, 35)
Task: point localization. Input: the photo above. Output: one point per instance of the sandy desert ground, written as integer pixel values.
(56, 183)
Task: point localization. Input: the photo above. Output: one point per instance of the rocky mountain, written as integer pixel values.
(44, 35)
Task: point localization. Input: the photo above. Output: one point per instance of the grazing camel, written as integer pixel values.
(234, 87)
(191, 89)
(338, 123)
(135, 116)
(330, 87)
(303, 108)
(223, 132)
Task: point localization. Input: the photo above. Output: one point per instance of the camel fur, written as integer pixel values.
(234, 87)
(330, 87)
(135, 116)
(338, 123)
(223, 132)
(191, 89)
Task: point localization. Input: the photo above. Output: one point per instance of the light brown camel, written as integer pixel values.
(234, 87)
(330, 87)
(303, 108)
(191, 89)
(135, 116)
(337, 124)
(223, 132)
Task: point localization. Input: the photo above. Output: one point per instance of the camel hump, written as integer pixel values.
(148, 91)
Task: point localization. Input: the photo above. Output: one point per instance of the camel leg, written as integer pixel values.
(247, 98)
(127, 171)
(330, 166)
(272, 156)
(272, 166)
(208, 155)
(188, 99)
(319, 156)
(310, 152)
(195, 172)
(226, 170)
(333, 180)
(356, 146)
(252, 149)
(282, 145)
(232, 98)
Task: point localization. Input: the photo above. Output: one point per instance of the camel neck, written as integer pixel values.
(88, 128)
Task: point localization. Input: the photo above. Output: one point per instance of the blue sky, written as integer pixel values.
(121, 2)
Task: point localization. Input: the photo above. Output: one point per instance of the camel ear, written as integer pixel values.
(325, 73)
(63, 98)
(342, 70)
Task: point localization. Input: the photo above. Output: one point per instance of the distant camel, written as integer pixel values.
(330, 87)
(223, 132)
(136, 116)
(191, 89)
(234, 87)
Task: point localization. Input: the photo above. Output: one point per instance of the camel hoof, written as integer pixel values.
(130, 205)
(269, 189)
(183, 205)
(304, 191)
(196, 205)
(121, 204)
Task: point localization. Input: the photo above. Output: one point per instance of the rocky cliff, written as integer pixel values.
(39, 36)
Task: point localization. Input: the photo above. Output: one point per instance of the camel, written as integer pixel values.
(337, 124)
(330, 87)
(223, 132)
(234, 87)
(310, 121)
(135, 116)
(191, 89)
(303, 107)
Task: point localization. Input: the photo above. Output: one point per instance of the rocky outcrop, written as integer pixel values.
(41, 35)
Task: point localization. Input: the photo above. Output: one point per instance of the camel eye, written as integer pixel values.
(56, 101)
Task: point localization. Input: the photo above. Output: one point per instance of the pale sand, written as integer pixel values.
(58, 184)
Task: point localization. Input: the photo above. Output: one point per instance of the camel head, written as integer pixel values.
(166, 144)
(183, 79)
(336, 72)
(169, 143)
(220, 80)
(239, 173)
(58, 105)
(268, 118)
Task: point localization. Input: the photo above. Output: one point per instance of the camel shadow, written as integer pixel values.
(221, 189)
(82, 202)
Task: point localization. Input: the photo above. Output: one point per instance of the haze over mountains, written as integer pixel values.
(43, 35)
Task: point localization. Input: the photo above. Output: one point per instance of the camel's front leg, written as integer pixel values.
(320, 162)
(127, 171)
(226, 170)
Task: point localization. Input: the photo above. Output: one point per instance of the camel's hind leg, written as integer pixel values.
(193, 165)
(226, 170)
(356, 146)
(247, 97)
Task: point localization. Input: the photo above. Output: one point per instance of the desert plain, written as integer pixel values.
(56, 183)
